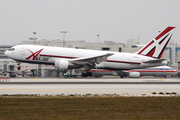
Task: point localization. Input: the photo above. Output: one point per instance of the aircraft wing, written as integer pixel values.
(90, 61)
(154, 61)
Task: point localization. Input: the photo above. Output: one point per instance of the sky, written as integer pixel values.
(112, 20)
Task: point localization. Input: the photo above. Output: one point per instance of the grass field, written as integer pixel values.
(92, 108)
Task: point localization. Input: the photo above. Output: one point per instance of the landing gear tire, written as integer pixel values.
(18, 68)
(89, 74)
(121, 76)
(86, 74)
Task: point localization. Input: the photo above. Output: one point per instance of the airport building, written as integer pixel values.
(172, 52)
(3, 48)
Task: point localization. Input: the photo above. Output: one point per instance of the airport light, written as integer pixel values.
(98, 38)
(34, 36)
(64, 32)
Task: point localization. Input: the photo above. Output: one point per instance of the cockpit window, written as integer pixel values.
(11, 49)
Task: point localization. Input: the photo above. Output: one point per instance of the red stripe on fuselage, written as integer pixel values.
(77, 57)
(57, 56)
(122, 62)
(151, 71)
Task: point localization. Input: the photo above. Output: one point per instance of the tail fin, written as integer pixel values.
(156, 47)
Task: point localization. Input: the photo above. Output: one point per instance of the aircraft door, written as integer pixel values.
(5, 67)
(23, 51)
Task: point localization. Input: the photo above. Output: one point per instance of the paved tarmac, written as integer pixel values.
(56, 86)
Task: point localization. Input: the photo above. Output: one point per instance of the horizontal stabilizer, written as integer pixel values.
(154, 61)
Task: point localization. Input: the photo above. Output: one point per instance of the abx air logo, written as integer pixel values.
(33, 55)
(156, 47)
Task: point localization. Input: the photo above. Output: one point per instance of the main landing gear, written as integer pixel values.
(86, 74)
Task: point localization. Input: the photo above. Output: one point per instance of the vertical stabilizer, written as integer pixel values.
(156, 47)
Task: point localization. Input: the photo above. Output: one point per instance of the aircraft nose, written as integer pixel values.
(6, 53)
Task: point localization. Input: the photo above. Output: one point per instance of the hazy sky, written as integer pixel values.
(115, 20)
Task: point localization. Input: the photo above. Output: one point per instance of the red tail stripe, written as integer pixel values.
(164, 48)
(164, 32)
(163, 40)
(146, 47)
(150, 54)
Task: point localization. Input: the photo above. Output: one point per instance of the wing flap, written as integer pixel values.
(91, 60)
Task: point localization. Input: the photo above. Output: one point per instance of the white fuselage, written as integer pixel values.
(48, 55)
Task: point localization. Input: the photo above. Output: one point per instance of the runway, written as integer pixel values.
(51, 86)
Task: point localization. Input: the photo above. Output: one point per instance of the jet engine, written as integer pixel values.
(134, 75)
(61, 65)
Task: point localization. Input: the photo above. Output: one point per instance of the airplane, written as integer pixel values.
(69, 58)
(163, 71)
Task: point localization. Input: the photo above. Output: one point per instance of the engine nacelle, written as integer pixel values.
(134, 75)
(61, 65)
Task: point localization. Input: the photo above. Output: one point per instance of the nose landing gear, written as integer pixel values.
(18, 66)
